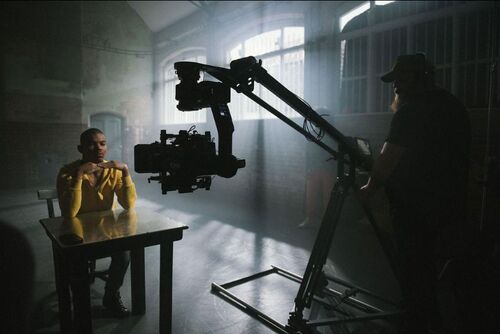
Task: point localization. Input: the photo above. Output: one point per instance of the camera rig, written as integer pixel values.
(352, 154)
(187, 161)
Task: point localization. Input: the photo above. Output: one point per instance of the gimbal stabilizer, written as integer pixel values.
(193, 95)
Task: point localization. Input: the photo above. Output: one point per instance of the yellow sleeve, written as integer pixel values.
(69, 193)
(125, 191)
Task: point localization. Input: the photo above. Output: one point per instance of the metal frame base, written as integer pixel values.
(347, 297)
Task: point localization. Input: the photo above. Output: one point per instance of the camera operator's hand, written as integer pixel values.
(115, 164)
(87, 168)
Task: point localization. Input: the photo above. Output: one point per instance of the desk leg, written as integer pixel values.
(81, 296)
(166, 256)
(62, 287)
(137, 280)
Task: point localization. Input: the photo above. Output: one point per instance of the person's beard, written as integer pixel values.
(408, 93)
(403, 98)
(396, 102)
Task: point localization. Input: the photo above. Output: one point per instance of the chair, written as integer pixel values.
(50, 195)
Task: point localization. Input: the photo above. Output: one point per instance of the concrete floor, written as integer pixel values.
(221, 244)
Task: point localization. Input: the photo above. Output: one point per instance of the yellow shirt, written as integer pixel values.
(78, 196)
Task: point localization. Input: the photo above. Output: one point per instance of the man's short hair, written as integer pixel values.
(87, 134)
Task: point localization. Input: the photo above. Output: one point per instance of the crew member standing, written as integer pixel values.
(424, 166)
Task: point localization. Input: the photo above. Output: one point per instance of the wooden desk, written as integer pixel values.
(104, 233)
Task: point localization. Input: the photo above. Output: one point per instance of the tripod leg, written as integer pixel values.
(314, 270)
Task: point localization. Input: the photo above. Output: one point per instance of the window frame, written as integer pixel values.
(259, 90)
(289, 17)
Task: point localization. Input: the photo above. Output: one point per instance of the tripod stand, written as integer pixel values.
(315, 281)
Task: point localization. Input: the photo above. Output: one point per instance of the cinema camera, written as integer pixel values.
(187, 161)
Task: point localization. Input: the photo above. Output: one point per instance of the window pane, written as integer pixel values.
(263, 43)
(387, 46)
(242, 107)
(287, 67)
(293, 75)
(293, 71)
(272, 65)
(235, 53)
(354, 75)
(169, 100)
(169, 73)
(293, 36)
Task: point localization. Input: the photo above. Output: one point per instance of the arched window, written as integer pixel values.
(282, 55)
(170, 114)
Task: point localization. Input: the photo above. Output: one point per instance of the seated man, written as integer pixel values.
(89, 184)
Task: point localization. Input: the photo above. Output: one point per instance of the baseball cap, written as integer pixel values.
(408, 63)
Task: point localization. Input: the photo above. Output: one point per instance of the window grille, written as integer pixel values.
(474, 57)
(462, 68)
(388, 46)
(354, 76)
(434, 38)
